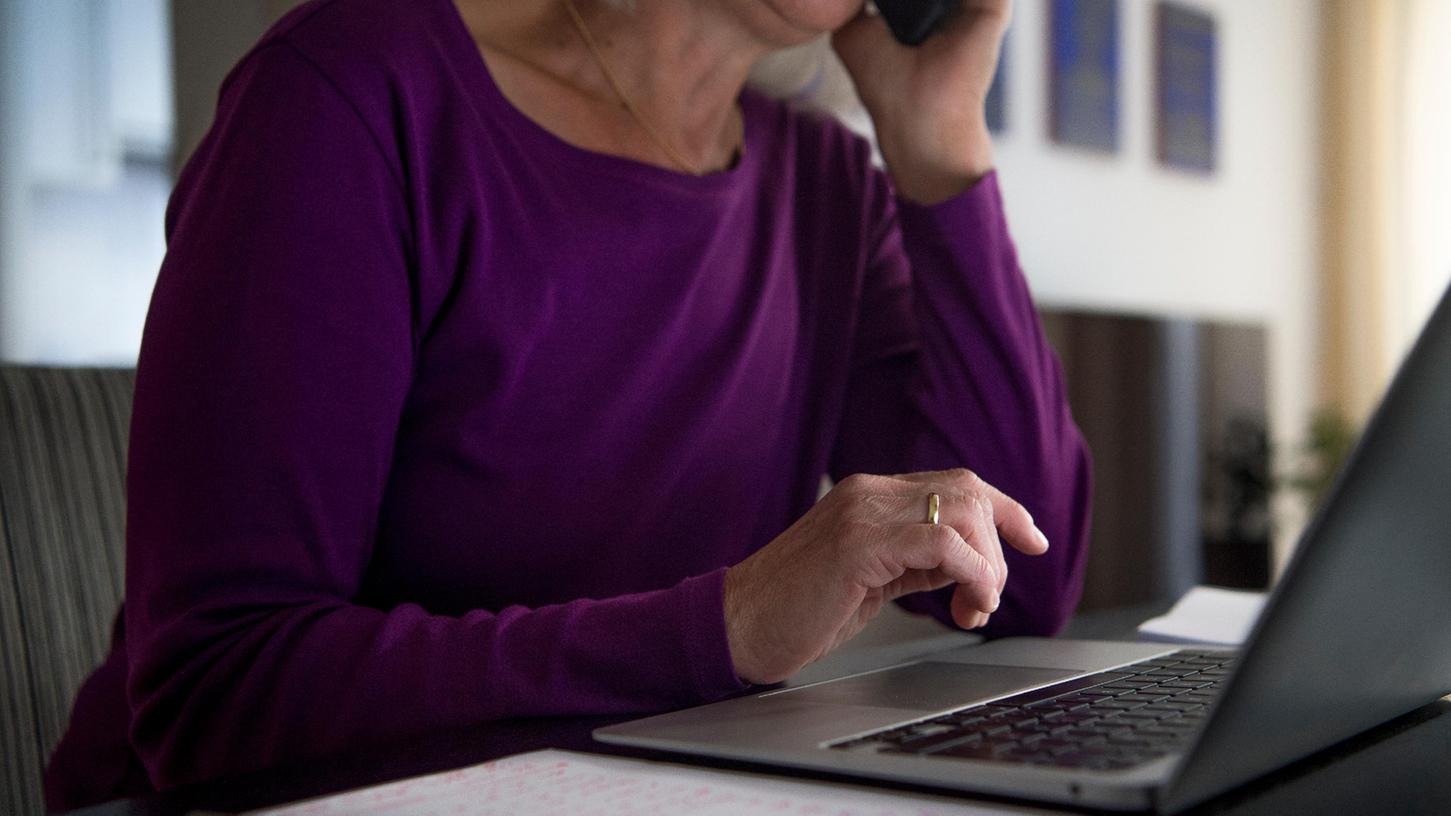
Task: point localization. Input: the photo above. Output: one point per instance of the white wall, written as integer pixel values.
(1122, 233)
(10, 189)
(87, 128)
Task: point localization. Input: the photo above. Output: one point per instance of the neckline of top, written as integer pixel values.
(481, 79)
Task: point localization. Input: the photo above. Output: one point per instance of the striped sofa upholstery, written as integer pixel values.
(62, 506)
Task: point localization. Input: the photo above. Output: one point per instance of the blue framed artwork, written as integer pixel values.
(997, 103)
(1186, 97)
(1083, 96)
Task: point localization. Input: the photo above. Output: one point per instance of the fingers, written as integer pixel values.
(965, 614)
(972, 519)
(964, 547)
(1012, 521)
(970, 516)
(978, 516)
(940, 548)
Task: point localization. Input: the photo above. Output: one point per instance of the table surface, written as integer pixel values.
(1400, 767)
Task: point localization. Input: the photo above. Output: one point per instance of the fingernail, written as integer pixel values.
(997, 598)
(1042, 539)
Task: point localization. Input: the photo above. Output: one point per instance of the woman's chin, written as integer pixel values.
(797, 21)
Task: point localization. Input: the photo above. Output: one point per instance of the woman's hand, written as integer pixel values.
(927, 102)
(865, 543)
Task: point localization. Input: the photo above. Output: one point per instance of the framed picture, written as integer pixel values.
(1084, 73)
(1185, 94)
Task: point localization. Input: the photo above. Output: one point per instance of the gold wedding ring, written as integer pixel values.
(934, 507)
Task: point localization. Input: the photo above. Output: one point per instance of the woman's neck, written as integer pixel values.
(680, 64)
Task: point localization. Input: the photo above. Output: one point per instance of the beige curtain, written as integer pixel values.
(1386, 200)
(1360, 198)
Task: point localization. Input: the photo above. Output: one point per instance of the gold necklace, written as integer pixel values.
(599, 59)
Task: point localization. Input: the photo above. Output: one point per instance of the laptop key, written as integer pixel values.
(1186, 684)
(1130, 742)
(1069, 757)
(1060, 689)
(1056, 705)
(961, 720)
(1164, 734)
(1071, 727)
(1177, 704)
(928, 728)
(1181, 724)
(974, 750)
(1142, 715)
(1026, 755)
(1039, 728)
(925, 744)
(1142, 697)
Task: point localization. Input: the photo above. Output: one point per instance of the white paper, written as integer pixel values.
(562, 782)
(1206, 614)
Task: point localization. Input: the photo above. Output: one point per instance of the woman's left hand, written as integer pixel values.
(927, 102)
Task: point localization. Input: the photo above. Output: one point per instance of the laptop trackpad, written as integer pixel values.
(928, 686)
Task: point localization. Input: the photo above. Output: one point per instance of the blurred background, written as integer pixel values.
(1235, 217)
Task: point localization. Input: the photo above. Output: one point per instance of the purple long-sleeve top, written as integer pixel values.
(440, 419)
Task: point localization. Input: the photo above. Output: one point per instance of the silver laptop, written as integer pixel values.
(1357, 632)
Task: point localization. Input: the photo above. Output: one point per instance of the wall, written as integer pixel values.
(83, 182)
(1123, 234)
(86, 158)
(11, 197)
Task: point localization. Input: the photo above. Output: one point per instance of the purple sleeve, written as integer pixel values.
(276, 360)
(951, 369)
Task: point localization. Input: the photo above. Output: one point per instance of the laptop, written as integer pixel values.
(1356, 633)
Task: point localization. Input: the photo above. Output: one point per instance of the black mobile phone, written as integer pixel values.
(912, 20)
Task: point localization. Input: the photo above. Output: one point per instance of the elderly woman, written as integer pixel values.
(499, 352)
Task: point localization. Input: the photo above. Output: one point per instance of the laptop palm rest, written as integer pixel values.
(926, 686)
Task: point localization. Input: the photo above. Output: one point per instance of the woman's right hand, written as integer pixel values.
(864, 544)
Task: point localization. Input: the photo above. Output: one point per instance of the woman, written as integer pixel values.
(497, 356)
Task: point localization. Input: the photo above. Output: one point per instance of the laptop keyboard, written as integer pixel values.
(1108, 721)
